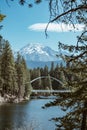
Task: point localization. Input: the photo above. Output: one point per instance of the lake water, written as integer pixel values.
(28, 116)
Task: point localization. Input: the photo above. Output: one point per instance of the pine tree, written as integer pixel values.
(23, 77)
(1, 45)
(28, 86)
(52, 69)
(49, 82)
(26, 75)
(76, 100)
(38, 83)
(20, 75)
(1, 80)
(8, 69)
(57, 72)
(46, 72)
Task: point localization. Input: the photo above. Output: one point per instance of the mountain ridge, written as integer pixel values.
(38, 52)
(38, 55)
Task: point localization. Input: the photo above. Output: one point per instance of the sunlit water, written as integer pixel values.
(28, 116)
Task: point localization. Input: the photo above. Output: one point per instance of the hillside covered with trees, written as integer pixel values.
(13, 73)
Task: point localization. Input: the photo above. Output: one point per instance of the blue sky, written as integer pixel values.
(24, 25)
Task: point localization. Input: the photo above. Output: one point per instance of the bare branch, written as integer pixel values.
(80, 37)
(79, 56)
(71, 10)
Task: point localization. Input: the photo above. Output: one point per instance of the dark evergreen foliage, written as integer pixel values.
(46, 82)
(13, 74)
(75, 101)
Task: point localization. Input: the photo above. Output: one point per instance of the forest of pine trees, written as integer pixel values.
(48, 82)
(15, 77)
(13, 72)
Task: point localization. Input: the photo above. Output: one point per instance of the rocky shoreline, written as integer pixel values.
(12, 99)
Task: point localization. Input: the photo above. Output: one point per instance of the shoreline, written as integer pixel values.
(12, 99)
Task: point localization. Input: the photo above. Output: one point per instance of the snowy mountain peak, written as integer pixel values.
(38, 52)
(33, 48)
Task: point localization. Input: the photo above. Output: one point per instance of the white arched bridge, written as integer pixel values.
(43, 77)
(49, 91)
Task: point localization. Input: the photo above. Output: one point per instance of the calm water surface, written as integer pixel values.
(28, 116)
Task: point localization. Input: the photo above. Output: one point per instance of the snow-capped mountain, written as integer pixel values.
(38, 52)
(37, 55)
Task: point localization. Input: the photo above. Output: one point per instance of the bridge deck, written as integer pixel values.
(51, 91)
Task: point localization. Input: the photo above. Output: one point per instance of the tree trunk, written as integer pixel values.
(84, 115)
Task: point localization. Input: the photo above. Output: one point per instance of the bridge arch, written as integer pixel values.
(57, 91)
(43, 77)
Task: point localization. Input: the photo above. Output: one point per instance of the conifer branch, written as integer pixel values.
(79, 56)
(70, 11)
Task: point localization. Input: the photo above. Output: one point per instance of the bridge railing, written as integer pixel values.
(51, 91)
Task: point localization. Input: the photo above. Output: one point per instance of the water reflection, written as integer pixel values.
(28, 116)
